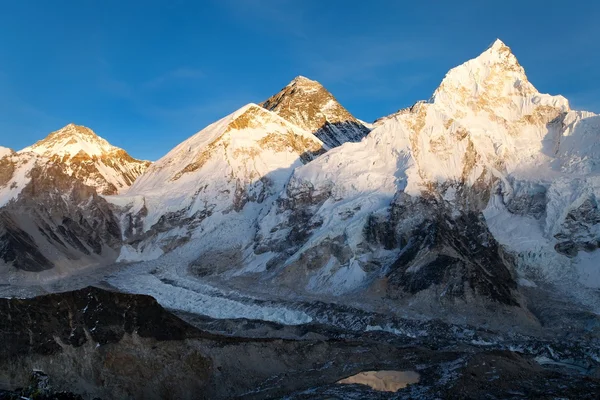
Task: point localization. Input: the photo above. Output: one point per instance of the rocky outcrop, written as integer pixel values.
(307, 104)
(580, 229)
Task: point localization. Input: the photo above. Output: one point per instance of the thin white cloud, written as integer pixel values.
(284, 16)
(177, 74)
(362, 58)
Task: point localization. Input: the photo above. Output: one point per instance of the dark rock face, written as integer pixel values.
(76, 318)
(55, 220)
(451, 251)
(580, 229)
(19, 248)
(336, 134)
(91, 340)
(491, 375)
(300, 205)
(528, 200)
(97, 343)
(307, 104)
(455, 256)
(111, 345)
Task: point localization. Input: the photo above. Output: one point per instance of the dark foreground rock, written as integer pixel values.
(101, 344)
(104, 344)
(485, 375)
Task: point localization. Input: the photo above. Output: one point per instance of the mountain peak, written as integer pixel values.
(500, 53)
(303, 81)
(70, 140)
(307, 104)
(87, 157)
(487, 81)
(498, 45)
(77, 130)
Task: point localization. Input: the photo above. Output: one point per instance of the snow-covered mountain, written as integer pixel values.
(51, 214)
(50, 220)
(461, 199)
(89, 158)
(307, 104)
(218, 179)
(450, 198)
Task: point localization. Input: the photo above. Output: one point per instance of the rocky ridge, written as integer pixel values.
(307, 104)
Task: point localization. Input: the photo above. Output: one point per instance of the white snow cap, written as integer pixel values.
(71, 140)
(302, 79)
(304, 84)
(493, 81)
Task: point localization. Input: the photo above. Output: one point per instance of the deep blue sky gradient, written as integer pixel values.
(148, 74)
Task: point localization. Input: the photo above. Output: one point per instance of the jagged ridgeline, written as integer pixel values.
(450, 201)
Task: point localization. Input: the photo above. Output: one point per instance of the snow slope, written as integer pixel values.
(486, 130)
(224, 173)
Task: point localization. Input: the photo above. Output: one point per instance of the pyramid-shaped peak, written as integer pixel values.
(498, 45)
(494, 74)
(499, 52)
(309, 105)
(73, 129)
(71, 140)
(302, 80)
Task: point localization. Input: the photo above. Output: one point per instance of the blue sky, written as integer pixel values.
(147, 75)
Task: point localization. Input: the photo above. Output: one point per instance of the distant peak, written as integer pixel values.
(73, 129)
(494, 74)
(71, 139)
(301, 78)
(303, 81)
(76, 127)
(498, 45)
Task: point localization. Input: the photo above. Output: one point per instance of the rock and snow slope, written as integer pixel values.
(90, 159)
(4, 151)
(51, 214)
(50, 220)
(307, 104)
(403, 209)
(217, 180)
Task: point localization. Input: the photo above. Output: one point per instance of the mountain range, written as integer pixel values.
(471, 199)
